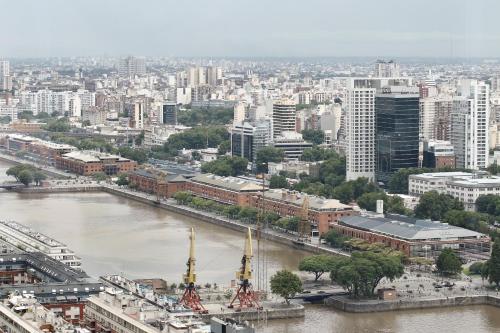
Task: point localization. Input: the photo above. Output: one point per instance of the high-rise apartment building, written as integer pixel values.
(137, 119)
(284, 116)
(469, 125)
(132, 66)
(435, 115)
(396, 131)
(169, 113)
(248, 138)
(5, 78)
(386, 69)
(358, 135)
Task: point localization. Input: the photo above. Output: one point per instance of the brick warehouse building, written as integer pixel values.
(90, 162)
(323, 213)
(415, 238)
(157, 182)
(226, 190)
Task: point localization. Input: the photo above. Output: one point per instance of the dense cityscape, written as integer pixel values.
(281, 177)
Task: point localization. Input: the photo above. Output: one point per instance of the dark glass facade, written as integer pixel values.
(242, 145)
(396, 133)
(169, 114)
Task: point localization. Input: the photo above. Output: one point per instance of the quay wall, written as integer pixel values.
(186, 211)
(234, 225)
(291, 311)
(348, 305)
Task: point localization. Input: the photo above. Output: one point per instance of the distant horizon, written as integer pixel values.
(279, 28)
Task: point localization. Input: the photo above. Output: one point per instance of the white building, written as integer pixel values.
(284, 116)
(386, 68)
(292, 144)
(470, 127)
(138, 115)
(360, 132)
(5, 78)
(466, 187)
(132, 66)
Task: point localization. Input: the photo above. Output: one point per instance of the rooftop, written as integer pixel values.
(297, 198)
(408, 228)
(92, 156)
(229, 183)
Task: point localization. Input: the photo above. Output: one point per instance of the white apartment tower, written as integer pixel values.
(5, 79)
(284, 116)
(469, 125)
(386, 69)
(132, 66)
(138, 116)
(360, 132)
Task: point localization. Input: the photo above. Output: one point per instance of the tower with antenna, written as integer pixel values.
(245, 296)
(191, 298)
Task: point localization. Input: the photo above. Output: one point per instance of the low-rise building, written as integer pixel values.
(467, 187)
(156, 182)
(226, 190)
(322, 213)
(415, 238)
(90, 162)
(295, 167)
(409, 201)
(438, 154)
(292, 144)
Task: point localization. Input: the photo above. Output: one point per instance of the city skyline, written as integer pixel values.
(223, 28)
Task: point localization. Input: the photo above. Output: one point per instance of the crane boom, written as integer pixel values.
(190, 276)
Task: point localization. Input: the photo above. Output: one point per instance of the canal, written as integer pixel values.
(117, 235)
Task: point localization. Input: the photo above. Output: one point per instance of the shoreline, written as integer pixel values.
(368, 306)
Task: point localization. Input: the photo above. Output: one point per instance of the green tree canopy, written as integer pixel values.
(57, 125)
(493, 265)
(489, 204)
(448, 263)
(317, 264)
(266, 155)
(316, 153)
(198, 116)
(434, 205)
(361, 273)
(285, 284)
(316, 137)
(226, 166)
(25, 177)
(278, 181)
(335, 239)
(398, 183)
(122, 180)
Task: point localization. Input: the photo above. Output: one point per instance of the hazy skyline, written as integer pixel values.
(439, 28)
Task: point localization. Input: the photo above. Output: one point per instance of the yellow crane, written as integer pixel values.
(304, 227)
(190, 298)
(245, 296)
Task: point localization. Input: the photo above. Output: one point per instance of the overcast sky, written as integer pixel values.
(427, 28)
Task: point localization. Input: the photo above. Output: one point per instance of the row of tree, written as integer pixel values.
(197, 116)
(226, 166)
(26, 174)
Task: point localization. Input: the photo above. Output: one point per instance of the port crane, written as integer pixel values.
(245, 296)
(304, 227)
(190, 298)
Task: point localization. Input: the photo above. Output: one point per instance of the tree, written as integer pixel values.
(277, 181)
(38, 177)
(494, 264)
(489, 204)
(316, 137)
(335, 239)
(25, 177)
(99, 176)
(468, 220)
(16, 170)
(398, 183)
(122, 180)
(226, 166)
(182, 197)
(138, 155)
(361, 273)
(266, 155)
(317, 265)
(57, 125)
(434, 205)
(448, 263)
(476, 268)
(285, 284)
(197, 116)
(316, 153)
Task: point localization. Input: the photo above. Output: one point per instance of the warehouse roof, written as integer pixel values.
(297, 198)
(229, 183)
(408, 228)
